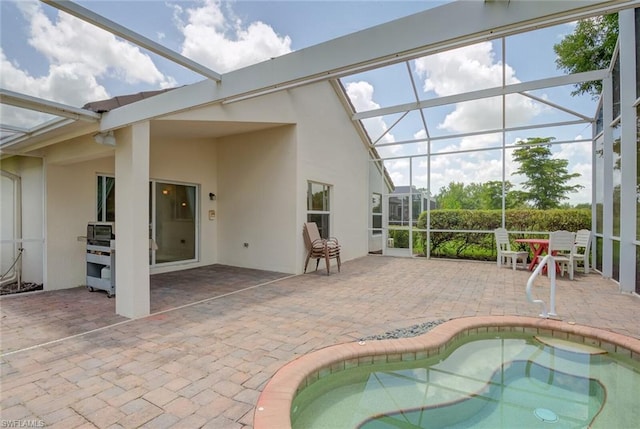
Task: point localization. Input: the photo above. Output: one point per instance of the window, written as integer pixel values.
(318, 206)
(106, 207)
(173, 217)
(376, 213)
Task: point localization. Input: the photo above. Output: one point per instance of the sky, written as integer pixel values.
(51, 55)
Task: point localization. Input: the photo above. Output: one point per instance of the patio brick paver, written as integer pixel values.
(204, 365)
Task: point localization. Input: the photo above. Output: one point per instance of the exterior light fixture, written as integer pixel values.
(212, 196)
(107, 139)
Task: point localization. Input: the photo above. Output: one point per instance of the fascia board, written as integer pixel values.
(451, 25)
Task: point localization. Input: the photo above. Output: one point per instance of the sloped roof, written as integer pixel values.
(121, 100)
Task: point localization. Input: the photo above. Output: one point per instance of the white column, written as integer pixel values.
(607, 178)
(132, 221)
(628, 154)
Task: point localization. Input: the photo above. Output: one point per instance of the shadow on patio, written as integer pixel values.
(36, 318)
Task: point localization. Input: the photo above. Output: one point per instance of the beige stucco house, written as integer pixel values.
(257, 158)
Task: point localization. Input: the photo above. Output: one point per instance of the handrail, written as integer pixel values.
(552, 293)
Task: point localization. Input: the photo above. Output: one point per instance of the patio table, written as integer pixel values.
(539, 247)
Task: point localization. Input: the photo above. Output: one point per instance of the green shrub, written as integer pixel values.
(481, 245)
(401, 239)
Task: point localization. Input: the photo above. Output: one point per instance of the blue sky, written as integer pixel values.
(256, 30)
(48, 54)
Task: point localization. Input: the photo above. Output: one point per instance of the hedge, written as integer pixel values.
(467, 245)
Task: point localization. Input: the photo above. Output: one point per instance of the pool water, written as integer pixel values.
(484, 382)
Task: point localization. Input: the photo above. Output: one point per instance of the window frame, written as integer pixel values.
(320, 214)
(376, 216)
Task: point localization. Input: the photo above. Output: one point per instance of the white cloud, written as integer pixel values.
(455, 72)
(421, 147)
(83, 57)
(469, 69)
(461, 70)
(77, 50)
(79, 56)
(398, 171)
(225, 44)
(361, 96)
(579, 156)
(65, 83)
(467, 168)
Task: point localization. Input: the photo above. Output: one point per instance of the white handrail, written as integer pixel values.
(547, 261)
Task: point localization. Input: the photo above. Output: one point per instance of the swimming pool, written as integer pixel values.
(482, 372)
(485, 381)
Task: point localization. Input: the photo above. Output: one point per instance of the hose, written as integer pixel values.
(20, 250)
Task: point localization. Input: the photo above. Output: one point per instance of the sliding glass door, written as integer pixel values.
(173, 218)
(174, 221)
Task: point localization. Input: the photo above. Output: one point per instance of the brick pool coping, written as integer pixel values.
(274, 404)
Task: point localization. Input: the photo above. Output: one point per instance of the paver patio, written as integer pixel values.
(217, 334)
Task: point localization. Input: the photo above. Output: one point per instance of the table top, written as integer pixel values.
(532, 240)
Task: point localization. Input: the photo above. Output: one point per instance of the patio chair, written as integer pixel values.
(581, 249)
(319, 247)
(503, 246)
(561, 245)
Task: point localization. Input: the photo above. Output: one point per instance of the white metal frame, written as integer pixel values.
(342, 56)
(628, 150)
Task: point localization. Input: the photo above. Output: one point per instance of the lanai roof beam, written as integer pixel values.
(395, 41)
(16, 99)
(485, 93)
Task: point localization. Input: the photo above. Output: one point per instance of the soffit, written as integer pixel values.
(181, 130)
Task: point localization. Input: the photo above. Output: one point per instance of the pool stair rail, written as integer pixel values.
(547, 261)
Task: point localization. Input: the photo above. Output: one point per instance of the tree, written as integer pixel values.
(547, 178)
(491, 194)
(452, 196)
(589, 47)
(516, 200)
(478, 196)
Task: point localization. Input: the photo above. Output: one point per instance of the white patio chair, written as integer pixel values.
(581, 249)
(561, 245)
(503, 247)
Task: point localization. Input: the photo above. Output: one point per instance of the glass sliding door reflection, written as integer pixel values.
(175, 222)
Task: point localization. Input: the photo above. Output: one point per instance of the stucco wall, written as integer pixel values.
(331, 152)
(260, 179)
(195, 162)
(71, 203)
(263, 180)
(257, 177)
